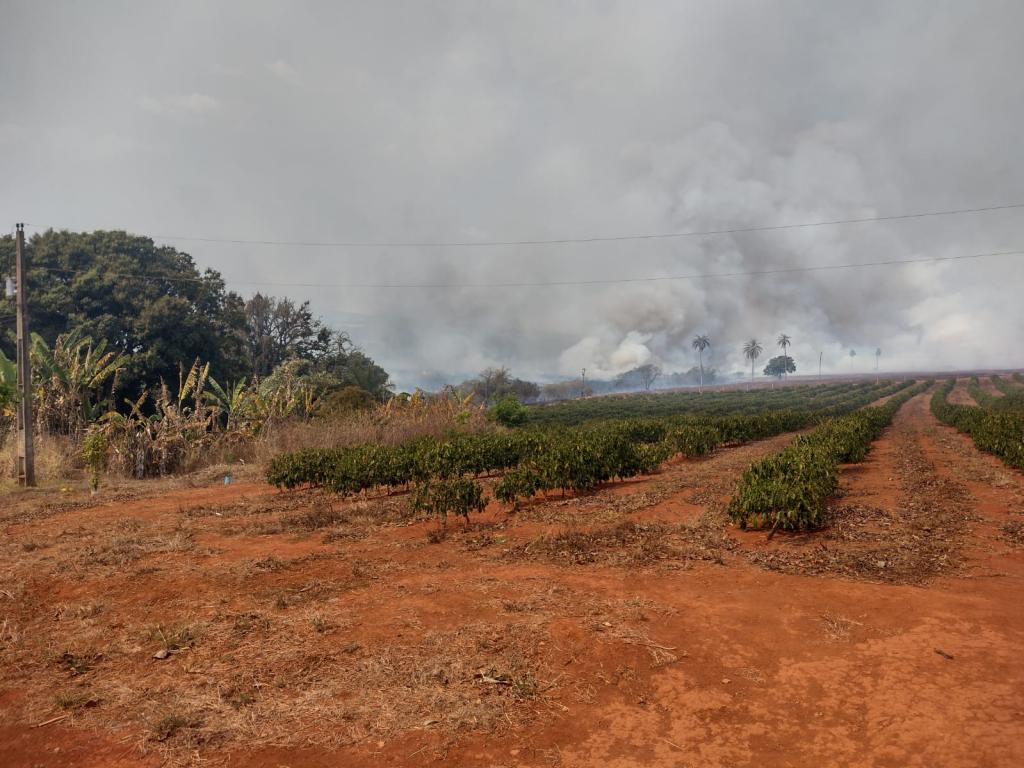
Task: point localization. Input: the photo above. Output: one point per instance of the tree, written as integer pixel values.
(779, 366)
(752, 350)
(148, 301)
(878, 355)
(153, 304)
(493, 384)
(700, 343)
(649, 374)
(689, 378)
(346, 400)
(784, 342)
(853, 354)
(352, 367)
(279, 330)
(641, 376)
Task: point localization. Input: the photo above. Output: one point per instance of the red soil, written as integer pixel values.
(651, 664)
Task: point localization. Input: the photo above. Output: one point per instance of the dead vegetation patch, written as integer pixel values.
(28, 508)
(631, 543)
(1013, 532)
(838, 628)
(113, 548)
(270, 690)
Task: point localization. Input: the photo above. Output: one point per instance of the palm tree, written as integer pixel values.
(752, 350)
(700, 343)
(878, 354)
(853, 354)
(783, 341)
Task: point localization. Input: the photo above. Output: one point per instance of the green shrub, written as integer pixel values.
(996, 430)
(790, 489)
(509, 412)
(576, 458)
(453, 496)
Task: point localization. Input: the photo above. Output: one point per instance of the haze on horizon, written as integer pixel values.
(470, 121)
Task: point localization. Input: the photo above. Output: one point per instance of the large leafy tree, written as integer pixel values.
(148, 301)
(780, 366)
(354, 368)
(153, 304)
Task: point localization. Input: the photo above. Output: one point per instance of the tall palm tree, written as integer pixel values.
(700, 343)
(853, 354)
(752, 350)
(784, 341)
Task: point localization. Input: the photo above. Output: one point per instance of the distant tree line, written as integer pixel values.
(495, 384)
(154, 305)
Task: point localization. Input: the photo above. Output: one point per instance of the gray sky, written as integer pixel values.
(399, 121)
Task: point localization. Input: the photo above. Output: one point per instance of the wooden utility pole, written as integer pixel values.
(26, 455)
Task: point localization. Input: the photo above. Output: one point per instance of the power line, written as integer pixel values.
(572, 240)
(558, 283)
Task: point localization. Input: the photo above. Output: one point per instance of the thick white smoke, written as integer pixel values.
(466, 121)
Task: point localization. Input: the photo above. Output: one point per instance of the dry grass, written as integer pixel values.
(57, 461)
(58, 458)
(1013, 532)
(274, 680)
(838, 628)
(631, 543)
(119, 545)
(386, 426)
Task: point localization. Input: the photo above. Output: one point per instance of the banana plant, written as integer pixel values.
(164, 437)
(234, 402)
(70, 379)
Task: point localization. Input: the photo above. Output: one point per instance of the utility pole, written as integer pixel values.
(819, 366)
(583, 383)
(26, 454)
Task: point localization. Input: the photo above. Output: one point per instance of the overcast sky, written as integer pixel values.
(408, 121)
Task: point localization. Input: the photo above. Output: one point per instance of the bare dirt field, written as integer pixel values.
(239, 625)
